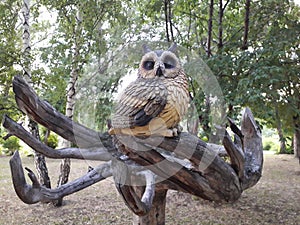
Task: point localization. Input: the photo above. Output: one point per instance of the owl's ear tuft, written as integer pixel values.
(173, 48)
(146, 49)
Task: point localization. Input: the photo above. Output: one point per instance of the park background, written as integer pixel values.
(251, 47)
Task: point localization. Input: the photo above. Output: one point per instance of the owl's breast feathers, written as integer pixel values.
(150, 106)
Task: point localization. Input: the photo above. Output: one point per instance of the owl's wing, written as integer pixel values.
(141, 101)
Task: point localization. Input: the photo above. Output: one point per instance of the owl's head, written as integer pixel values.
(159, 63)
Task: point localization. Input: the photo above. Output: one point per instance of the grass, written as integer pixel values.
(274, 200)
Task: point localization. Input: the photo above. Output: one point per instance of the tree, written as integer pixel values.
(261, 63)
(40, 161)
(296, 138)
(10, 48)
(270, 74)
(71, 94)
(79, 25)
(148, 170)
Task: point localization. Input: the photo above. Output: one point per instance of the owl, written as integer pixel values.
(157, 100)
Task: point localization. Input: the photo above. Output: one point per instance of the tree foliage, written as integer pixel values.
(261, 72)
(10, 48)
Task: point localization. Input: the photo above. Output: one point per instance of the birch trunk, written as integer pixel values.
(39, 159)
(65, 165)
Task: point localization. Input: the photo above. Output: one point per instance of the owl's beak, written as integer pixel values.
(159, 72)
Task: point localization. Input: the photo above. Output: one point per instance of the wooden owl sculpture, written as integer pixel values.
(157, 100)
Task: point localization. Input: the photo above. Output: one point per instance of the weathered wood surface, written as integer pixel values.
(151, 166)
(34, 193)
(93, 153)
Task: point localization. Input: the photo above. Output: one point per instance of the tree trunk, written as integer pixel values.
(209, 36)
(65, 165)
(246, 25)
(40, 162)
(204, 117)
(156, 215)
(26, 42)
(221, 14)
(220, 23)
(296, 137)
(282, 149)
(168, 20)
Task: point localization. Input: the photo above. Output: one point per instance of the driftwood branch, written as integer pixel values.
(153, 165)
(94, 153)
(253, 150)
(34, 193)
(211, 177)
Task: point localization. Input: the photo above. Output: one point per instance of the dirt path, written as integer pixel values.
(274, 200)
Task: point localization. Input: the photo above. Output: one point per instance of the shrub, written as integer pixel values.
(10, 145)
(270, 144)
(52, 141)
(267, 145)
(289, 150)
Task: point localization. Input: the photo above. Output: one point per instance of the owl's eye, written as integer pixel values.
(168, 66)
(169, 62)
(148, 65)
